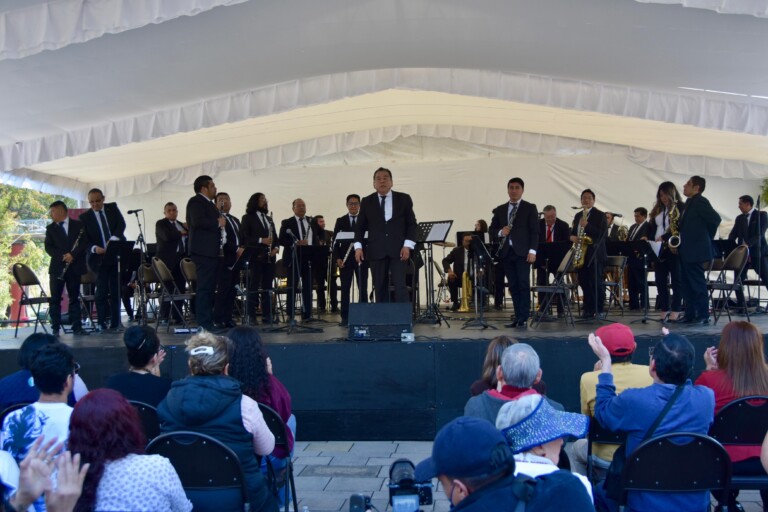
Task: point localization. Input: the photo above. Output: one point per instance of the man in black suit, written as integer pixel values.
(591, 279)
(172, 237)
(65, 243)
(225, 287)
(613, 229)
(637, 231)
(299, 231)
(320, 267)
(258, 235)
(388, 218)
(206, 240)
(697, 226)
(461, 259)
(104, 223)
(551, 230)
(745, 232)
(345, 260)
(516, 225)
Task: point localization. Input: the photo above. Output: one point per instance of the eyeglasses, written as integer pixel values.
(76, 369)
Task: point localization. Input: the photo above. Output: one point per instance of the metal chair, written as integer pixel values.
(169, 291)
(26, 278)
(149, 420)
(280, 430)
(189, 271)
(599, 434)
(210, 471)
(678, 462)
(88, 298)
(614, 269)
(559, 287)
(734, 262)
(743, 422)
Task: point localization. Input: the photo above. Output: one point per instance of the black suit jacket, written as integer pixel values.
(560, 234)
(385, 238)
(698, 225)
(233, 241)
(168, 238)
(456, 258)
(116, 224)
(637, 232)
(742, 233)
(525, 230)
(203, 224)
(613, 232)
(251, 230)
(287, 241)
(596, 229)
(58, 243)
(340, 248)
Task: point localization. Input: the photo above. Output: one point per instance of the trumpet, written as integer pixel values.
(74, 246)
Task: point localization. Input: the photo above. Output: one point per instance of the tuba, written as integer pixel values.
(581, 245)
(466, 292)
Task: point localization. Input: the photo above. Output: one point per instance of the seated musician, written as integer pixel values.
(461, 259)
(551, 230)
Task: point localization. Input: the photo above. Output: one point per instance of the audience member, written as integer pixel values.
(106, 431)
(475, 468)
(733, 370)
(535, 431)
(519, 371)
(142, 382)
(491, 363)
(620, 342)
(635, 410)
(211, 402)
(19, 387)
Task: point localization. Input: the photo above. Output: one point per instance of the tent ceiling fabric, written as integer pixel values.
(261, 83)
(758, 8)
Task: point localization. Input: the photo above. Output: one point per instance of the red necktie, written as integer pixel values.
(549, 233)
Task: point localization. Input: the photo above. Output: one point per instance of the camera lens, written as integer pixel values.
(402, 470)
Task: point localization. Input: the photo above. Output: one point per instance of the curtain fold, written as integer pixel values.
(757, 8)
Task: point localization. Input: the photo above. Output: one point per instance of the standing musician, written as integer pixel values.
(228, 278)
(389, 219)
(591, 222)
(320, 266)
(551, 229)
(207, 236)
(664, 217)
(65, 243)
(257, 232)
(461, 259)
(303, 234)
(698, 225)
(345, 260)
(516, 225)
(613, 229)
(172, 238)
(104, 223)
(745, 232)
(637, 231)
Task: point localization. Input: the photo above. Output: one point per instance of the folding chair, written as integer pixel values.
(280, 288)
(210, 471)
(676, 462)
(87, 298)
(151, 294)
(599, 434)
(26, 278)
(735, 263)
(169, 291)
(189, 271)
(149, 420)
(559, 287)
(614, 267)
(280, 430)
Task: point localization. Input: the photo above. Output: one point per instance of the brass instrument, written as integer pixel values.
(74, 246)
(623, 233)
(674, 230)
(582, 243)
(466, 292)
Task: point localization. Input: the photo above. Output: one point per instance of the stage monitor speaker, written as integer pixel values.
(380, 322)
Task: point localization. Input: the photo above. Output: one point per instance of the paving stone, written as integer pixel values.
(311, 483)
(336, 446)
(348, 460)
(323, 501)
(313, 461)
(354, 484)
(341, 471)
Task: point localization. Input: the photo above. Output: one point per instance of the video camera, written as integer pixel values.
(405, 493)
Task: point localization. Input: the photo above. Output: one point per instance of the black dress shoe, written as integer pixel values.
(80, 332)
(498, 307)
(511, 326)
(602, 316)
(55, 331)
(454, 306)
(334, 309)
(522, 324)
(343, 323)
(117, 328)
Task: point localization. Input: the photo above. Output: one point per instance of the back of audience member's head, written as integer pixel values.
(141, 343)
(741, 355)
(103, 427)
(619, 340)
(51, 366)
(673, 357)
(31, 345)
(208, 354)
(493, 357)
(520, 365)
(248, 362)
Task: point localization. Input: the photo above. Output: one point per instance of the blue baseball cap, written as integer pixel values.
(466, 447)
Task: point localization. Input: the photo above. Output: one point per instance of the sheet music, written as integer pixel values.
(345, 235)
(656, 246)
(439, 231)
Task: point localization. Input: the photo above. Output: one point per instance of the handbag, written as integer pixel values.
(613, 485)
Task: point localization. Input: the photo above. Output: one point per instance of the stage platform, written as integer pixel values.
(344, 390)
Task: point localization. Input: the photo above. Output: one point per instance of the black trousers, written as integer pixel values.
(592, 287)
(72, 283)
(207, 274)
(262, 276)
(763, 273)
(694, 285)
(224, 304)
(352, 269)
(637, 291)
(517, 270)
(666, 272)
(306, 289)
(107, 296)
(380, 270)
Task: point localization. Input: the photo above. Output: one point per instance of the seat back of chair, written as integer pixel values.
(148, 274)
(615, 262)
(24, 275)
(161, 270)
(678, 462)
(189, 270)
(149, 419)
(566, 262)
(210, 472)
(88, 278)
(600, 434)
(742, 422)
(276, 424)
(736, 259)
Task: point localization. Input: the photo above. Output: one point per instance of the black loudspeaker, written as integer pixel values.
(380, 322)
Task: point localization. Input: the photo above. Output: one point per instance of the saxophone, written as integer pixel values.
(674, 230)
(581, 245)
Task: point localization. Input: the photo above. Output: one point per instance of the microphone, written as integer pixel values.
(577, 207)
(290, 233)
(617, 215)
(131, 212)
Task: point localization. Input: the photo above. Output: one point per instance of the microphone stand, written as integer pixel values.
(480, 290)
(140, 274)
(597, 284)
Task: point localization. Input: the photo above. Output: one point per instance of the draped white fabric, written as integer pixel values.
(758, 8)
(54, 24)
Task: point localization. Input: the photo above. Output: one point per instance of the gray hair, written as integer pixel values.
(520, 365)
(515, 411)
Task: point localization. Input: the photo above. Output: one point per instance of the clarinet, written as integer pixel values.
(74, 246)
(223, 238)
(349, 250)
(271, 233)
(506, 238)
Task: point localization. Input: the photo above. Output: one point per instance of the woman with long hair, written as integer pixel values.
(106, 431)
(142, 382)
(737, 369)
(492, 361)
(667, 199)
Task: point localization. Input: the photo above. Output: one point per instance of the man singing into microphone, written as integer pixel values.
(298, 231)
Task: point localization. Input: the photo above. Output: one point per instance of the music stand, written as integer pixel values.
(646, 249)
(429, 233)
(596, 278)
(314, 253)
(243, 262)
(480, 255)
(116, 250)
